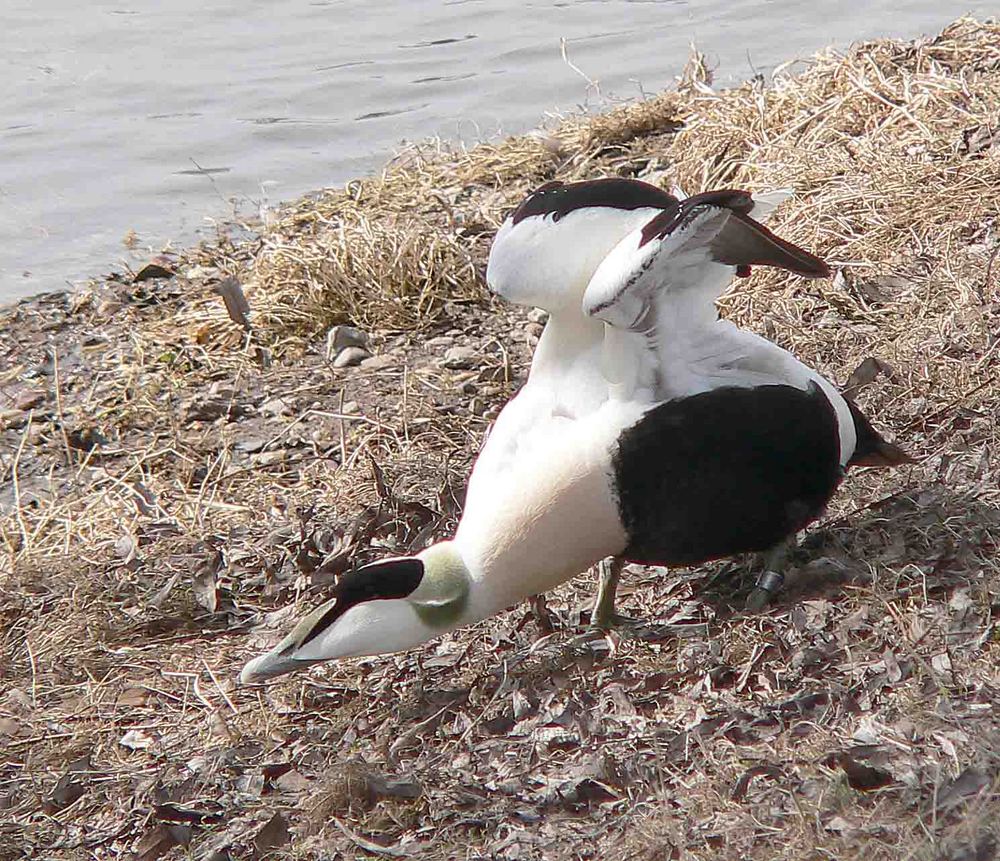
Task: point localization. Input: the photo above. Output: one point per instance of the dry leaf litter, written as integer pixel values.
(188, 460)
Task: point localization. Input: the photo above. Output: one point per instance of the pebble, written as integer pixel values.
(439, 341)
(537, 315)
(275, 407)
(348, 357)
(108, 308)
(459, 358)
(269, 458)
(383, 360)
(13, 419)
(534, 330)
(339, 338)
(29, 399)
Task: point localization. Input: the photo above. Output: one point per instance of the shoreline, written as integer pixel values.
(175, 486)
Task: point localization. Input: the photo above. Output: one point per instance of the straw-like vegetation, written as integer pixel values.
(175, 489)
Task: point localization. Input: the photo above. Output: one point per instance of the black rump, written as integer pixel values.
(728, 471)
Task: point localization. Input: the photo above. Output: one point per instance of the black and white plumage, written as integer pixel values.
(648, 429)
(765, 439)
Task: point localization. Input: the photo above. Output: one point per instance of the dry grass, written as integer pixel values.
(168, 486)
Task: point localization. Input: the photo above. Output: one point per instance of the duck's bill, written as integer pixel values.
(270, 666)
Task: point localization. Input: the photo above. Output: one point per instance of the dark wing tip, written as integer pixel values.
(679, 213)
(745, 242)
(882, 454)
(871, 449)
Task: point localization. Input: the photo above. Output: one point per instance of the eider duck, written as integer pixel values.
(644, 428)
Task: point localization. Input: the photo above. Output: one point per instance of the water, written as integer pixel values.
(162, 117)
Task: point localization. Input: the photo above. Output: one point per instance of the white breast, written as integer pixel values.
(551, 514)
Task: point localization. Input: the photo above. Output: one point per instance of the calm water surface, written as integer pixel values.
(160, 117)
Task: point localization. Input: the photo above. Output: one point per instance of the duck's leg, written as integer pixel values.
(603, 615)
(772, 578)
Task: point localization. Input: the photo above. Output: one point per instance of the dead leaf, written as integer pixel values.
(968, 784)
(403, 787)
(71, 786)
(273, 834)
(237, 306)
(28, 399)
(368, 845)
(157, 268)
(164, 591)
(293, 781)
(879, 290)
(979, 139)
(158, 842)
(137, 739)
(865, 374)
(218, 728)
(861, 777)
(585, 792)
(187, 815)
(743, 784)
(132, 697)
(942, 663)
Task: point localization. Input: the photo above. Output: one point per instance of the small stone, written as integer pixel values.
(439, 341)
(269, 458)
(537, 315)
(350, 408)
(534, 330)
(13, 419)
(459, 358)
(108, 308)
(469, 387)
(339, 338)
(348, 357)
(29, 399)
(375, 363)
(275, 407)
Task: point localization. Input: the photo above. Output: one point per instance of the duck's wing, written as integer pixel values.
(679, 262)
(547, 249)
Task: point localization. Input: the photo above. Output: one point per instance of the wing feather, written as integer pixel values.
(690, 249)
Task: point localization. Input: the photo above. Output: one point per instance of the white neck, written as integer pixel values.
(567, 337)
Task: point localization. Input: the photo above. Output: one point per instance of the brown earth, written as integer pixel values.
(175, 489)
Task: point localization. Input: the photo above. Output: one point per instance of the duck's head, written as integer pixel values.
(548, 248)
(387, 606)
